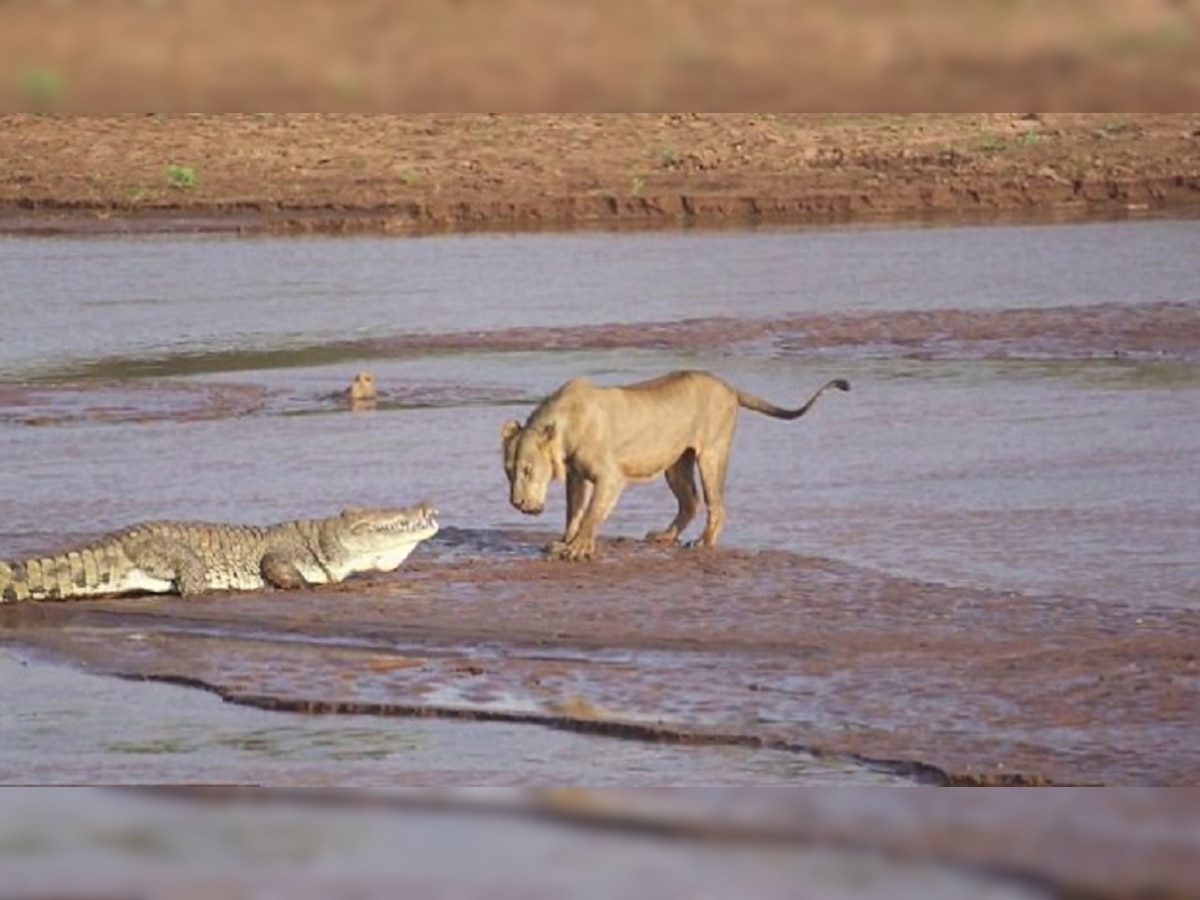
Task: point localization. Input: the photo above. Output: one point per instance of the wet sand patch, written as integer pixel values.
(137, 401)
(1165, 329)
(1155, 335)
(768, 649)
(126, 402)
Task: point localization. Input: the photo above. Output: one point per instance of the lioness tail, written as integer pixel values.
(749, 401)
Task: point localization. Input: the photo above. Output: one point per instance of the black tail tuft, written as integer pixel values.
(841, 384)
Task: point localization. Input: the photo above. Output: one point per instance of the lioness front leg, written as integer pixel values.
(582, 545)
(578, 491)
(578, 495)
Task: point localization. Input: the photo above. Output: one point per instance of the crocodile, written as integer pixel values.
(190, 558)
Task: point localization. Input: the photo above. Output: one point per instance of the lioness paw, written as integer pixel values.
(558, 550)
(572, 551)
(666, 536)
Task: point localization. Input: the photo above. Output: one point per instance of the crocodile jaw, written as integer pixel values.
(377, 540)
(386, 559)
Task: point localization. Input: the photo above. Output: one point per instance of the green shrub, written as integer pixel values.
(181, 176)
(42, 86)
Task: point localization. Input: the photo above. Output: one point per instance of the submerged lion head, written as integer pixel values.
(361, 392)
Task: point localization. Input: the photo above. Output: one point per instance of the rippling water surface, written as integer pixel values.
(1023, 418)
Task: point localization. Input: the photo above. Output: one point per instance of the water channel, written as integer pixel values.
(1017, 424)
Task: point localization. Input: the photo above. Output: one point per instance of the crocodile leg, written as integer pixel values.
(161, 557)
(279, 570)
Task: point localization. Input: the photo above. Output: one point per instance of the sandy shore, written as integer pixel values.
(414, 173)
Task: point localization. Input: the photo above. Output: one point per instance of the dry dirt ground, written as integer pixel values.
(414, 173)
(545, 55)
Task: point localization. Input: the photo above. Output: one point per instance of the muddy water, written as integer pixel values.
(1007, 497)
(77, 728)
(495, 843)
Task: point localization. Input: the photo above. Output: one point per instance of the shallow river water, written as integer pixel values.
(1023, 423)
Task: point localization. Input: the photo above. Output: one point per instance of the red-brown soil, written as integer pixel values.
(413, 173)
(781, 650)
(542, 55)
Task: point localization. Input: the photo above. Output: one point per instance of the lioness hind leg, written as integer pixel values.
(713, 465)
(681, 478)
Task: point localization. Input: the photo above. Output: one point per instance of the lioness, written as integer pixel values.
(598, 438)
(361, 393)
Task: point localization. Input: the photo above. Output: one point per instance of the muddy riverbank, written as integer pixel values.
(401, 174)
(726, 648)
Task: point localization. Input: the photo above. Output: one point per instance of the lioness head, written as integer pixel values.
(532, 459)
(362, 388)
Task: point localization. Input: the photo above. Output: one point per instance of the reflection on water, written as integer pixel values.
(68, 727)
(468, 843)
(76, 299)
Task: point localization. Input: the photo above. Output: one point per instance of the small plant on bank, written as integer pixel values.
(42, 87)
(410, 177)
(345, 83)
(999, 144)
(181, 177)
(1118, 126)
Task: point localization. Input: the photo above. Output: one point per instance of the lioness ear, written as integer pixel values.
(549, 431)
(509, 430)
